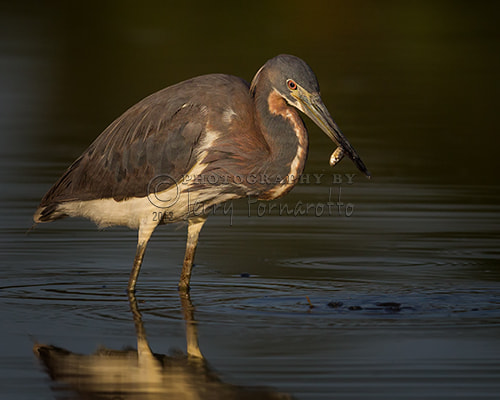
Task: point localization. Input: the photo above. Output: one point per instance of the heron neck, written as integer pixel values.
(285, 134)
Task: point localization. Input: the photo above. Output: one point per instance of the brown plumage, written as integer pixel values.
(207, 140)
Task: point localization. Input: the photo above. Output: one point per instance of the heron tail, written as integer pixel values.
(48, 213)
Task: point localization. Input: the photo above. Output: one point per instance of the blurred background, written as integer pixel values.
(425, 71)
(414, 86)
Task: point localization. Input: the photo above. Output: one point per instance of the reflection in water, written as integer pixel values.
(141, 374)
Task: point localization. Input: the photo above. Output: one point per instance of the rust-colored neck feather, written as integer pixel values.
(285, 134)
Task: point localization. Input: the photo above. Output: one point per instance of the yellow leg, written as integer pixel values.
(145, 232)
(194, 228)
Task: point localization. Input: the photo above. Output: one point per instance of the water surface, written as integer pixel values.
(393, 294)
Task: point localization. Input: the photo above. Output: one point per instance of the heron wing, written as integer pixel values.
(157, 136)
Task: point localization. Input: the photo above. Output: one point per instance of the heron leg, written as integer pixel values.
(194, 228)
(145, 232)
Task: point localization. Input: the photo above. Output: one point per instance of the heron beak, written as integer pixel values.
(313, 107)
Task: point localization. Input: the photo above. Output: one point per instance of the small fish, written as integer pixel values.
(336, 156)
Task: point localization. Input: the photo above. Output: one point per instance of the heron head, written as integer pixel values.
(297, 84)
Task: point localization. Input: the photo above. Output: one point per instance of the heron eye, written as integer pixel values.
(291, 84)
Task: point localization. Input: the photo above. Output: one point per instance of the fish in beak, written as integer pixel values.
(313, 107)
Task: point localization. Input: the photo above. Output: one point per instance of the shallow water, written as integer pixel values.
(393, 294)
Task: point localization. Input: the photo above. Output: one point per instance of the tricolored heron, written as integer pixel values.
(194, 145)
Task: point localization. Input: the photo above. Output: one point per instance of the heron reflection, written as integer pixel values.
(140, 373)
